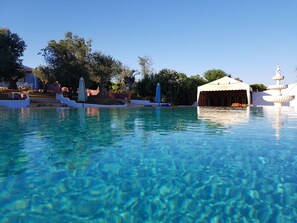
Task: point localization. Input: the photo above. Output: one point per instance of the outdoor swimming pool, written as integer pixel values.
(148, 165)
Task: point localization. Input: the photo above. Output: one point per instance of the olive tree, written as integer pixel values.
(67, 60)
(103, 68)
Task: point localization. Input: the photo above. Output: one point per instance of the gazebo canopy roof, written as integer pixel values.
(225, 84)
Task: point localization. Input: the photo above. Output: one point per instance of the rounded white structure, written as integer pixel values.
(278, 99)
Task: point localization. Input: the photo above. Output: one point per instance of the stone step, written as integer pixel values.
(45, 102)
(47, 105)
(39, 101)
(43, 99)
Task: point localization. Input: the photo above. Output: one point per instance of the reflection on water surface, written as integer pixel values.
(148, 165)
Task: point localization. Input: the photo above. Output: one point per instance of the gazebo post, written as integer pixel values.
(198, 93)
(248, 96)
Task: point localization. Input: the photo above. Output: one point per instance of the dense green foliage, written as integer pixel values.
(173, 85)
(124, 78)
(214, 74)
(11, 51)
(191, 88)
(72, 58)
(67, 60)
(102, 69)
(176, 88)
(44, 75)
(258, 87)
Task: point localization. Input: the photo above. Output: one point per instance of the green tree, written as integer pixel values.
(44, 75)
(145, 88)
(214, 74)
(103, 68)
(11, 51)
(172, 84)
(68, 60)
(191, 89)
(146, 65)
(258, 87)
(176, 87)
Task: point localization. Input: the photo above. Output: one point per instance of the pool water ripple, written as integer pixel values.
(148, 165)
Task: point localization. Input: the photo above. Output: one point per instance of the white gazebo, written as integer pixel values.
(224, 92)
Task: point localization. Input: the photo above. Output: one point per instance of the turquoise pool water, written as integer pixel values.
(148, 165)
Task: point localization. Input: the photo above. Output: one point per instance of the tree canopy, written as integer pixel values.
(172, 83)
(176, 87)
(214, 74)
(72, 57)
(67, 60)
(12, 48)
(191, 88)
(44, 75)
(258, 87)
(102, 69)
(146, 65)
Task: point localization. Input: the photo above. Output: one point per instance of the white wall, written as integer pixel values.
(292, 90)
(16, 103)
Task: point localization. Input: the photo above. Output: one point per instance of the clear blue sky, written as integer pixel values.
(246, 39)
